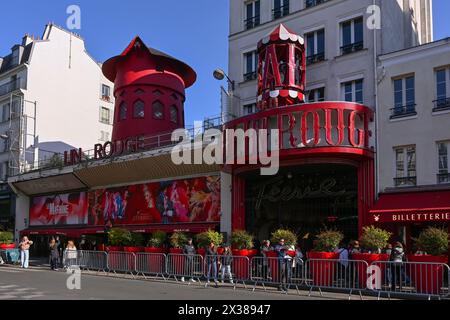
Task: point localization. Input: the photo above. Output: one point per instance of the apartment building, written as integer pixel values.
(53, 97)
(341, 49)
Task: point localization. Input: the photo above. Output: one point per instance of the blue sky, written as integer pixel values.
(195, 31)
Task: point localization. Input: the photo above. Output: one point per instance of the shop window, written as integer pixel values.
(138, 109)
(174, 114)
(158, 110)
(123, 111)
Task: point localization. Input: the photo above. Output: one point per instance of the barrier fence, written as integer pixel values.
(349, 276)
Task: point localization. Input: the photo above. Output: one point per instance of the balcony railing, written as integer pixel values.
(403, 111)
(280, 12)
(313, 3)
(352, 47)
(441, 104)
(252, 22)
(315, 58)
(405, 181)
(443, 178)
(12, 86)
(250, 76)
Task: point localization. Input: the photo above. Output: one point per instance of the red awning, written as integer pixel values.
(68, 232)
(429, 206)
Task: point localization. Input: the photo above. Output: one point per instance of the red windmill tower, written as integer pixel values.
(149, 89)
(281, 69)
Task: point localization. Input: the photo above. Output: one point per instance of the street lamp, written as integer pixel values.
(219, 74)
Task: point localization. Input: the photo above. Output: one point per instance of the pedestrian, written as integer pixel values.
(341, 272)
(225, 260)
(284, 265)
(24, 246)
(266, 247)
(54, 253)
(211, 264)
(298, 263)
(396, 260)
(189, 252)
(70, 254)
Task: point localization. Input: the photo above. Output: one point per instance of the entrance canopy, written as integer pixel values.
(430, 206)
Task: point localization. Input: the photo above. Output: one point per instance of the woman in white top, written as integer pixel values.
(71, 254)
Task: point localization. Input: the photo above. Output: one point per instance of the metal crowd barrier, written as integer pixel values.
(151, 264)
(413, 278)
(124, 262)
(237, 272)
(87, 260)
(332, 274)
(185, 267)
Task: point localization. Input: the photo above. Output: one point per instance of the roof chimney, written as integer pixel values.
(26, 40)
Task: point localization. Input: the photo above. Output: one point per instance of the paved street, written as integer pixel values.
(37, 283)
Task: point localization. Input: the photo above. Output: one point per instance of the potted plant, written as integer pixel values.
(373, 240)
(156, 242)
(290, 240)
(433, 242)
(242, 243)
(321, 267)
(177, 241)
(205, 238)
(7, 240)
(117, 238)
(136, 243)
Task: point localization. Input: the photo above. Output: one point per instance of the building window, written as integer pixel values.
(313, 3)
(315, 46)
(106, 92)
(404, 97)
(174, 114)
(5, 112)
(250, 65)
(444, 164)
(280, 8)
(405, 159)
(442, 86)
(352, 34)
(105, 115)
(253, 10)
(158, 110)
(249, 108)
(138, 109)
(352, 91)
(104, 136)
(123, 111)
(316, 95)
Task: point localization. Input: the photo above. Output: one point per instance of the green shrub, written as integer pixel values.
(374, 239)
(205, 238)
(6, 237)
(119, 237)
(137, 239)
(328, 240)
(178, 240)
(242, 240)
(290, 238)
(433, 241)
(157, 239)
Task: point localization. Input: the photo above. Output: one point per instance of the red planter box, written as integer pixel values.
(7, 246)
(101, 247)
(240, 266)
(201, 251)
(114, 248)
(428, 279)
(176, 251)
(323, 271)
(133, 249)
(369, 258)
(155, 250)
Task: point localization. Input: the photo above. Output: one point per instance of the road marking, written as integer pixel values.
(32, 296)
(24, 289)
(9, 286)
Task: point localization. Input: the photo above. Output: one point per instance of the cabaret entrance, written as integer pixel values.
(304, 199)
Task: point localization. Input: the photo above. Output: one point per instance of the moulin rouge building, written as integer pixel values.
(326, 159)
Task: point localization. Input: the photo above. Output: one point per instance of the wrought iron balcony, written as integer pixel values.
(12, 86)
(315, 58)
(403, 111)
(405, 181)
(441, 104)
(280, 11)
(250, 76)
(252, 22)
(443, 178)
(352, 47)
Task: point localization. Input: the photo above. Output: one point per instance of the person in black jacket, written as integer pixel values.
(211, 263)
(225, 260)
(54, 253)
(189, 252)
(396, 260)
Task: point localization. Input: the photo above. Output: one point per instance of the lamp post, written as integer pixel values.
(219, 74)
